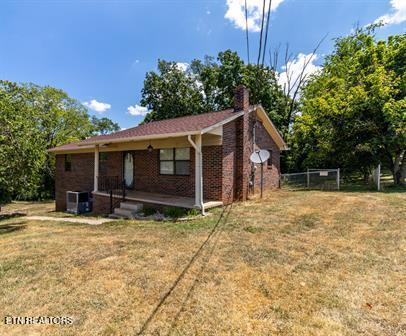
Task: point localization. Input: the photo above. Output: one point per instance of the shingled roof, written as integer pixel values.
(164, 128)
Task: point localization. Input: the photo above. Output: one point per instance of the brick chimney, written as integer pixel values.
(241, 98)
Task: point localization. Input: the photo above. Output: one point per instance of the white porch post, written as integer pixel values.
(96, 167)
(199, 181)
(197, 145)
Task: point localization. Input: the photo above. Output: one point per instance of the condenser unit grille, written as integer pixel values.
(72, 197)
(78, 202)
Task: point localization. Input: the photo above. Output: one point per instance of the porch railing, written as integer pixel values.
(113, 185)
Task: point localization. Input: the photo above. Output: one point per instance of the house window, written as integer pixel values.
(68, 162)
(174, 161)
(269, 162)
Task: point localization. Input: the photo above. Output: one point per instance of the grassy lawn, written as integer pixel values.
(295, 263)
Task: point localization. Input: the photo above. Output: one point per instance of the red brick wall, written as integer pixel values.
(237, 167)
(212, 172)
(113, 166)
(80, 178)
(147, 177)
(101, 204)
(271, 173)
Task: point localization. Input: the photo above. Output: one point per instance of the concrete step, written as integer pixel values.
(124, 212)
(135, 207)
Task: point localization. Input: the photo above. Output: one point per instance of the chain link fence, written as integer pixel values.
(321, 179)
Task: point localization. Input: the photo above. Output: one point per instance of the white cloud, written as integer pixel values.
(236, 12)
(97, 106)
(182, 66)
(137, 110)
(397, 15)
(293, 70)
(208, 12)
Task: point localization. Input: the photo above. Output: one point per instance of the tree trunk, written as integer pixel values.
(399, 169)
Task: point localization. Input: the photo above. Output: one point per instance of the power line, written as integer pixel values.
(246, 31)
(262, 28)
(266, 31)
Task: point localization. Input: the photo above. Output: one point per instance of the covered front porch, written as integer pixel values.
(164, 172)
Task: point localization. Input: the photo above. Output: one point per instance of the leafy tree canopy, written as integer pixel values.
(32, 120)
(102, 126)
(209, 85)
(354, 110)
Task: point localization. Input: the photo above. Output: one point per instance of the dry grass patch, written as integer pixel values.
(295, 263)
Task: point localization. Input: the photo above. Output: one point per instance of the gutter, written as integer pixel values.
(137, 138)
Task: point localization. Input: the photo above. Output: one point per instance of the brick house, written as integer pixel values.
(197, 161)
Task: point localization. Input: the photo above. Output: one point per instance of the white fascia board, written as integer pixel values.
(281, 143)
(223, 122)
(140, 138)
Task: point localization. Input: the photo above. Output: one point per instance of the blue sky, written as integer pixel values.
(99, 51)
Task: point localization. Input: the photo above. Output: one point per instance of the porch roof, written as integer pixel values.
(194, 124)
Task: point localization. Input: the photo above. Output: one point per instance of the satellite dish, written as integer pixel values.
(260, 156)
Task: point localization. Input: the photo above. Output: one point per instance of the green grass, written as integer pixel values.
(293, 263)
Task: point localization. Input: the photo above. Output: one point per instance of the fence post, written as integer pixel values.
(379, 177)
(338, 178)
(308, 179)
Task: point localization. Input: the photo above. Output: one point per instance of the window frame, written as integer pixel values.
(68, 163)
(174, 161)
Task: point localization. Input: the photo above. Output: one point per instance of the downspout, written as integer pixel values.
(199, 170)
(254, 145)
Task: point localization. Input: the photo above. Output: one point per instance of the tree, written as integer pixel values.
(102, 126)
(32, 120)
(354, 110)
(209, 85)
(171, 93)
(21, 156)
(60, 120)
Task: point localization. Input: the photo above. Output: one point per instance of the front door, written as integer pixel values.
(129, 170)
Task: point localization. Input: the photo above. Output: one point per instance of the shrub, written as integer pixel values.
(149, 211)
(192, 212)
(174, 212)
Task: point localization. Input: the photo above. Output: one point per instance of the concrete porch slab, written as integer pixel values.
(162, 199)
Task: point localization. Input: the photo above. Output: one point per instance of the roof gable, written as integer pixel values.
(270, 127)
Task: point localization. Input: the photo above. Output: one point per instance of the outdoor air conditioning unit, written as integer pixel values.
(78, 202)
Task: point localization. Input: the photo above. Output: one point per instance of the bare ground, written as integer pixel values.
(295, 263)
